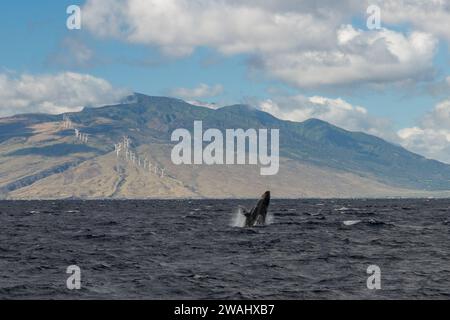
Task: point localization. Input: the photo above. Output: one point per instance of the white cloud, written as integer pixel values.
(179, 26)
(432, 16)
(209, 105)
(360, 57)
(304, 43)
(58, 93)
(201, 91)
(431, 137)
(336, 111)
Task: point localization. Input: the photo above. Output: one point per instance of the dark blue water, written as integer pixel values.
(192, 249)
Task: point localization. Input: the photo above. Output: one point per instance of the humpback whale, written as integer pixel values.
(257, 216)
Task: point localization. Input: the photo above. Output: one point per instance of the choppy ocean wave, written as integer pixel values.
(198, 249)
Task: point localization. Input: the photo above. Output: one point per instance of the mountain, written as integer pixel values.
(42, 159)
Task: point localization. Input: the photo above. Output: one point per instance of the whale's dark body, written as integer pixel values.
(258, 215)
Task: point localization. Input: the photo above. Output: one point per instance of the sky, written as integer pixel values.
(296, 59)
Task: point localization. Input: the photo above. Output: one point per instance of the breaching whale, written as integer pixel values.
(257, 216)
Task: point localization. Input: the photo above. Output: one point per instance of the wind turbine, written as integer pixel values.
(118, 148)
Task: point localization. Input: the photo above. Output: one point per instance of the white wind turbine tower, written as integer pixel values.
(126, 142)
(66, 122)
(145, 163)
(118, 148)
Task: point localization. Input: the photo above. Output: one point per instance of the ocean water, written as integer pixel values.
(311, 249)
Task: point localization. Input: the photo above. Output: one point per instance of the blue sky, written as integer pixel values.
(243, 65)
(33, 32)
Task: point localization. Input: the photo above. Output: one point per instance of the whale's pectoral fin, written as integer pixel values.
(244, 211)
(249, 214)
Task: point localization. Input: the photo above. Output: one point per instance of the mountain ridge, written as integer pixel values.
(32, 145)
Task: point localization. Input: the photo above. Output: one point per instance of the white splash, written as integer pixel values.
(238, 220)
(351, 222)
(270, 218)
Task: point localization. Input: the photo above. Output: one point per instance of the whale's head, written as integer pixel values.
(266, 198)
